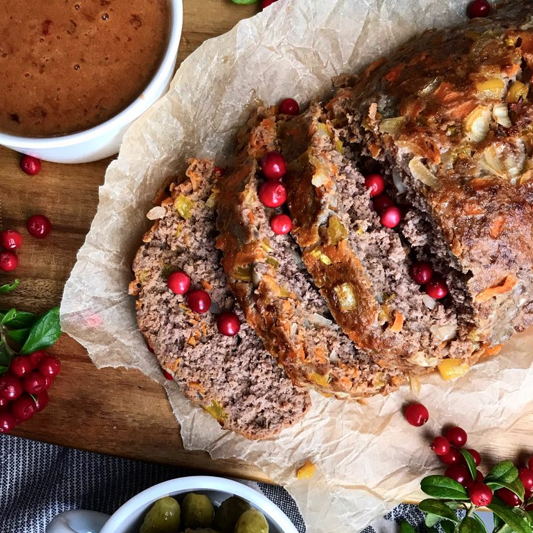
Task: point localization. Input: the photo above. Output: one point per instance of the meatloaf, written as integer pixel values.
(360, 266)
(233, 378)
(447, 118)
(273, 287)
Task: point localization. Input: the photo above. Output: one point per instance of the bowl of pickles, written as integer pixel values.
(197, 504)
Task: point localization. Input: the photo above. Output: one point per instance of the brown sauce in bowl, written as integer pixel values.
(69, 65)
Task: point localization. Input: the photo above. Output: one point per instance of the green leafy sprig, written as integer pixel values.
(448, 496)
(9, 287)
(27, 330)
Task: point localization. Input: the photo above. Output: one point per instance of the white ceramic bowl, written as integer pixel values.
(129, 517)
(104, 140)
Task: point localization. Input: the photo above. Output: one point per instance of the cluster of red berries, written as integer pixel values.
(23, 388)
(199, 302)
(273, 193)
(448, 445)
(38, 226)
(434, 284)
(390, 215)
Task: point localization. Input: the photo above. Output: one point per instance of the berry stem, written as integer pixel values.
(4, 345)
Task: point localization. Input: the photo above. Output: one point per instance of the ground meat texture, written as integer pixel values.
(233, 378)
(344, 244)
(451, 111)
(275, 290)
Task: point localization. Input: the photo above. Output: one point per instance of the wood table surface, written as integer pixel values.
(113, 411)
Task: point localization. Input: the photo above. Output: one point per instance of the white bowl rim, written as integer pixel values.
(200, 483)
(127, 115)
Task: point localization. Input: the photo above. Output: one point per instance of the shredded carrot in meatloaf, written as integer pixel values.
(492, 350)
(394, 72)
(507, 285)
(497, 227)
(374, 148)
(397, 326)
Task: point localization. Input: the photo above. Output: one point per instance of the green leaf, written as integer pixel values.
(443, 487)
(438, 508)
(45, 332)
(481, 523)
(513, 519)
(9, 287)
(3, 369)
(516, 486)
(22, 320)
(470, 463)
(447, 527)
(498, 522)
(506, 528)
(8, 317)
(471, 525)
(244, 2)
(406, 527)
(5, 353)
(505, 472)
(431, 520)
(19, 335)
(453, 505)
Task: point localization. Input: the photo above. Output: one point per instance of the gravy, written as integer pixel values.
(69, 65)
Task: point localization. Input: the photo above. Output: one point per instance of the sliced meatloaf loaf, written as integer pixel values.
(275, 290)
(448, 119)
(360, 266)
(232, 377)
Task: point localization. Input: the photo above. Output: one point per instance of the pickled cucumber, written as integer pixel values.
(163, 517)
(252, 521)
(229, 512)
(196, 511)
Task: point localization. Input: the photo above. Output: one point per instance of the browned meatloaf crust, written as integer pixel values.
(360, 266)
(275, 290)
(450, 113)
(233, 378)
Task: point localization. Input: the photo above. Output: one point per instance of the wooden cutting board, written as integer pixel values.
(117, 412)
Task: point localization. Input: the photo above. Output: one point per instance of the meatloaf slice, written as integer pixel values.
(275, 290)
(360, 266)
(232, 378)
(450, 114)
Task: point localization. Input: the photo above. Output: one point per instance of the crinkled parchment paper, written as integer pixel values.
(368, 458)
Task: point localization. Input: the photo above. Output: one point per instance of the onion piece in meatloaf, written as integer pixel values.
(232, 378)
(360, 266)
(450, 114)
(274, 289)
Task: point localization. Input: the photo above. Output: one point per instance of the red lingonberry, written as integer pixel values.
(440, 446)
(526, 476)
(416, 414)
(289, 106)
(509, 497)
(475, 455)
(456, 435)
(453, 457)
(478, 8)
(480, 494)
(20, 365)
(179, 282)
